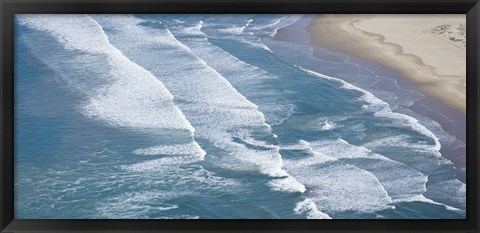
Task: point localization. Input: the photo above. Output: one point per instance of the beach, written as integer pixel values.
(427, 49)
(422, 54)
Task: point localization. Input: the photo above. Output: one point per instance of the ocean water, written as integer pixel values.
(207, 116)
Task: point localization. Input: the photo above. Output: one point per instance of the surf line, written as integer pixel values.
(139, 91)
(208, 100)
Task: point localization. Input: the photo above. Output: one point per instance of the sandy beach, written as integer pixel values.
(427, 49)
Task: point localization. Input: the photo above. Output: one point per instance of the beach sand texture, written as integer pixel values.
(427, 49)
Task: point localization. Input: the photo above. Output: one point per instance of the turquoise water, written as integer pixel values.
(205, 116)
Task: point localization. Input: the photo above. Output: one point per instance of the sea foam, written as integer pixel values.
(382, 109)
(208, 100)
(337, 186)
(133, 98)
(308, 208)
(246, 78)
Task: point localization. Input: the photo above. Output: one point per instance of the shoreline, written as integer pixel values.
(429, 106)
(363, 34)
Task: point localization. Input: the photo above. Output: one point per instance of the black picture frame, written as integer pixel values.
(9, 8)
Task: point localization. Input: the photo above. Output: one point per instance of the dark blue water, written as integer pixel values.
(203, 116)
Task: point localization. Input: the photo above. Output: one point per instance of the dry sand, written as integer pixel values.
(427, 49)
